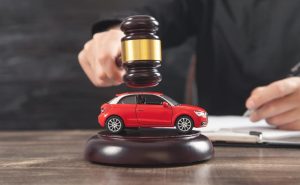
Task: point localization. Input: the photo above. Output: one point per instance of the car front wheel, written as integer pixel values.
(114, 124)
(184, 124)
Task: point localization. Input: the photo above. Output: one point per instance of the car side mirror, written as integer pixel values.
(165, 104)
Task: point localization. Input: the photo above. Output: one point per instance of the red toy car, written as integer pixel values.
(149, 109)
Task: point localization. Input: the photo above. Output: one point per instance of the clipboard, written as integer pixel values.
(241, 132)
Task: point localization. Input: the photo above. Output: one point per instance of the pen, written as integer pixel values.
(247, 113)
(295, 71)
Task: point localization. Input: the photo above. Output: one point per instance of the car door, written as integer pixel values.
(126, 109)
(151, 112)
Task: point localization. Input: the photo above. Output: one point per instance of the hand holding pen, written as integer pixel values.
(278, 102)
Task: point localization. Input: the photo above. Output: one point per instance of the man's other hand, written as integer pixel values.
(278, 103)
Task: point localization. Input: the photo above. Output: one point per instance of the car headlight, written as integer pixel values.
(201, 113)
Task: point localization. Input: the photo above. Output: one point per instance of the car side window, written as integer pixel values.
(128, 100)
(150, 100)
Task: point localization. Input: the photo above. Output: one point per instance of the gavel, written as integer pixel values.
(141, 51)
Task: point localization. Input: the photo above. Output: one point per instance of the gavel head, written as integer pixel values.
(141, 51)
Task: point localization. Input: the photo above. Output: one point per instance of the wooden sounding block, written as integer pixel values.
(148, 147)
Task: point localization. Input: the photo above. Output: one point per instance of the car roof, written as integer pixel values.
(136, 93)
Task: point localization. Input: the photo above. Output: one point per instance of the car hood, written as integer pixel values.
(190, 107)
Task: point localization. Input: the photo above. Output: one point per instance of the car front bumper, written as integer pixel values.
(201, 122)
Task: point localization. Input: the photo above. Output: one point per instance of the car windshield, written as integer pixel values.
(170, 100)
(112, 100)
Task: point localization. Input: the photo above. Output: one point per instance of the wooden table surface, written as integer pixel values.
(56, 157)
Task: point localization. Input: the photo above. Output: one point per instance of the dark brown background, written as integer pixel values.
(41, 83)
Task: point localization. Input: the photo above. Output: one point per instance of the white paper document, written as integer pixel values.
(241, 129)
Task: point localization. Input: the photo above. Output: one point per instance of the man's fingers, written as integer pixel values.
(278, 89)
(86, 66)
(84, 63)
(114, 72)
(96, 64)
(98, 58)
(274, 107)
(89, 53)
(101, 77)
(108, 60)
(105, 65)
(284, 118)
(291, 126)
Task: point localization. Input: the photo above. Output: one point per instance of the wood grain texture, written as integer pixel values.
(56, 157)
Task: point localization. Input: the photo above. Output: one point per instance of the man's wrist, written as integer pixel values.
(115, 27)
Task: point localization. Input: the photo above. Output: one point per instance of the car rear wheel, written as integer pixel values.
(114, 124)
(184, 124)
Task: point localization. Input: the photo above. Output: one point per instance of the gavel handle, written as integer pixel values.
(119, 62)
